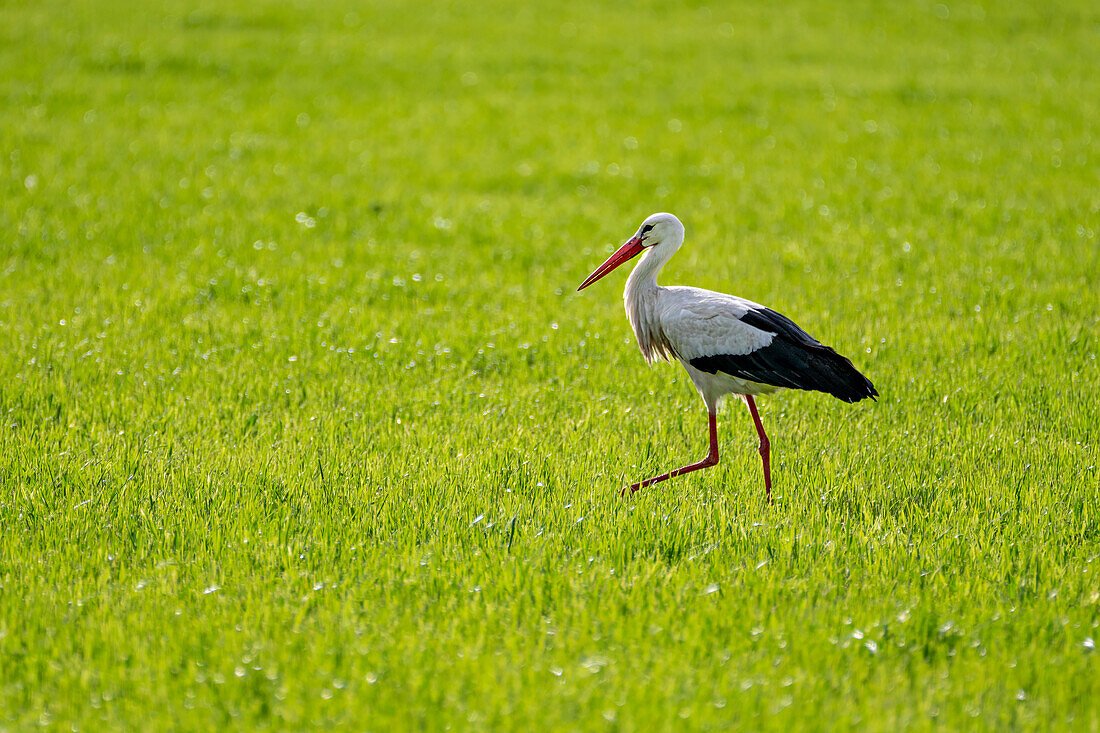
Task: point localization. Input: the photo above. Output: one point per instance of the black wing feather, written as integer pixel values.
(794, 359)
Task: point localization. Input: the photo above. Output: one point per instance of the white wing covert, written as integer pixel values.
(700, 323)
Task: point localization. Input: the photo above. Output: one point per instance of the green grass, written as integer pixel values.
(304, 423)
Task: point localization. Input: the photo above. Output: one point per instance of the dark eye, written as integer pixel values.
(646, 229)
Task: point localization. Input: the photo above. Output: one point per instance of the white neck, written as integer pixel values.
(640, 299)
(653, 259)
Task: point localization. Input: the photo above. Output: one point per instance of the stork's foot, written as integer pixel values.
(765, 447)
(765, 457)
(633, 488)
(710, 460)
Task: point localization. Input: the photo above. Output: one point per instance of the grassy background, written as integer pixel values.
(305, 425)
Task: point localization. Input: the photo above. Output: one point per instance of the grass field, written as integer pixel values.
(304, 424)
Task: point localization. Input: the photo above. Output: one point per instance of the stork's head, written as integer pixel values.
(658, 231)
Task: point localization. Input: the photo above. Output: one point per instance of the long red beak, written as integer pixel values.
(625, 253)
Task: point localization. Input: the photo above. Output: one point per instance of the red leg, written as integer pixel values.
(765, 447)
(710, 460)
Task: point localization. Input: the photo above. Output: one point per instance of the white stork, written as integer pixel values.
(728, 345)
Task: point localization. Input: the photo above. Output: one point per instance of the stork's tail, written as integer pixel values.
(836, 375)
